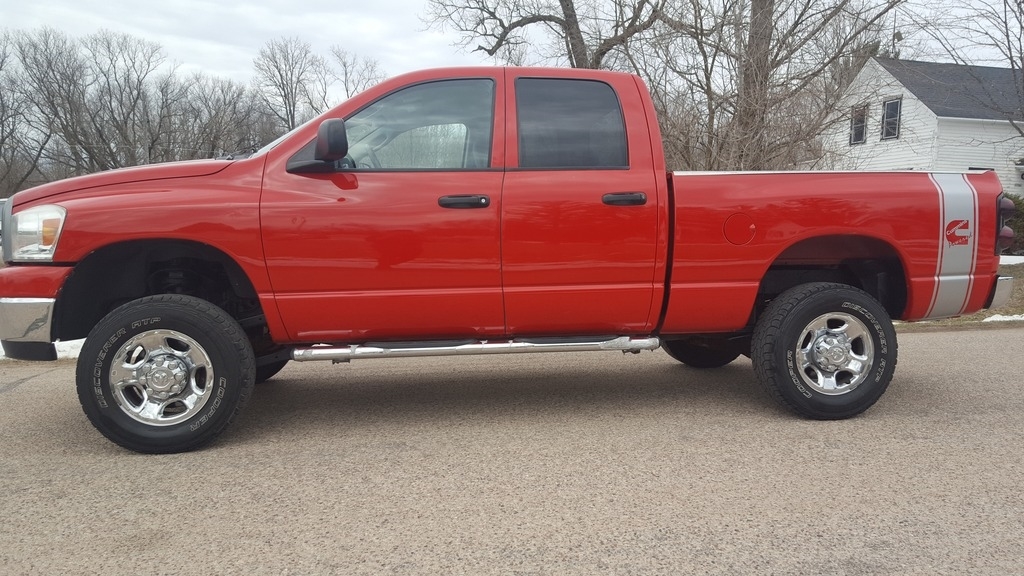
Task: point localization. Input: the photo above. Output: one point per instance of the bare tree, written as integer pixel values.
(740, 84)
(120, 68)
(163, 103)
(71, 106)
(754, 82)
(102, 99)
(217, 119)
(292, 80)
(579, 33)
(109, 100)
(356, 73)
(54, 76)
(20, 147)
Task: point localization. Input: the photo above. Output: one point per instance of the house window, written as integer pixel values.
(858, 124)
(891, 119)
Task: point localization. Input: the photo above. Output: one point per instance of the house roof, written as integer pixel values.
(961, 91)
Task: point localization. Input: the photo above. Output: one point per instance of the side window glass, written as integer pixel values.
(427, 147)
(569, 124)
(443, 125)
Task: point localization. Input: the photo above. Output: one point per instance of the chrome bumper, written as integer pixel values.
(25, 328)
(26, 319)
(1001, 292)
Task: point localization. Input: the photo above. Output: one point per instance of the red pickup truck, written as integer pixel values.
(481, 211)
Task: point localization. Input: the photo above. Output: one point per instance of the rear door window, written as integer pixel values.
(569, 124)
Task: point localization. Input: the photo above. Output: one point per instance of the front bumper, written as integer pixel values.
(28, 299)
(25, 328)
(26, 319)
(1001, 292)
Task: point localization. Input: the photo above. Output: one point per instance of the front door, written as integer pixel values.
(402, 241)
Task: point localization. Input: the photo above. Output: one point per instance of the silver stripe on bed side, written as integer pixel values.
(958, 243)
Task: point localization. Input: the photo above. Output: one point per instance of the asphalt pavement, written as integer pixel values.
(593, 463)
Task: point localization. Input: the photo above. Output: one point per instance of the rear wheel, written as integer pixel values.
(826, 351)
(165, 373)
(700, 354)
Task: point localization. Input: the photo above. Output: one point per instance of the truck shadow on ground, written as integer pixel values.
(338, 398)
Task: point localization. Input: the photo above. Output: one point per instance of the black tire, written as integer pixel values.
(268, 371)
(165, 373)
(696, 355)
(805, 358)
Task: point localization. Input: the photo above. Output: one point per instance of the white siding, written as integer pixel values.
(926, 142)
(965, 143)
(913, 150)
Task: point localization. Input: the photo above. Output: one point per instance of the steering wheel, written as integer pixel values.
(369, 162)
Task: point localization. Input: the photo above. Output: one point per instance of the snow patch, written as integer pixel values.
(1001, 318)
(69, 349)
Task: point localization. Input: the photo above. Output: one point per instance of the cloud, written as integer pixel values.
(222, 38)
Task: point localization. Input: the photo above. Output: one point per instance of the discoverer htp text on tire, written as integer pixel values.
(165, 373)
(827, 351)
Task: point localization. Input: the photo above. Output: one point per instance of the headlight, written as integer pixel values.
(34, 233)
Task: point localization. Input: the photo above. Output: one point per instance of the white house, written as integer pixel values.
(910, 115)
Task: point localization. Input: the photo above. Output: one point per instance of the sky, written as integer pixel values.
(222, 37)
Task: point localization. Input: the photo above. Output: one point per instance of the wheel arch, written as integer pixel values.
(124, 271)
(874, 265)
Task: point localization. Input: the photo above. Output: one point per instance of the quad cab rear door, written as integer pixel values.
(580, 210)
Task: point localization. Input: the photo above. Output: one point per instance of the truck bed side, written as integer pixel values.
(907, 238)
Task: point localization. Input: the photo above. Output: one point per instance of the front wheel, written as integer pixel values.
(165, 373)
(827, 351)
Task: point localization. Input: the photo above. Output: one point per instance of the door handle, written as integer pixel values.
(464, 201)
(625, 199)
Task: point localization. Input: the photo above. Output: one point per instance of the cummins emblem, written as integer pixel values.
(958, 232)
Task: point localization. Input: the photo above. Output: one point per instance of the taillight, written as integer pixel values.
(1004, 236)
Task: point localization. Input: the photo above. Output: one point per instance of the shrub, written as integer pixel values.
(1017, 223)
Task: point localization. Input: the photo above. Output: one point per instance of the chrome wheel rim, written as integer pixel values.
(834, 353)
(161, 377)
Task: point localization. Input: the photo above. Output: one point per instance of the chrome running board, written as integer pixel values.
(515, 346)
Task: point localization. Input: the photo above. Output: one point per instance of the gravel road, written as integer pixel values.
(543, 464)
